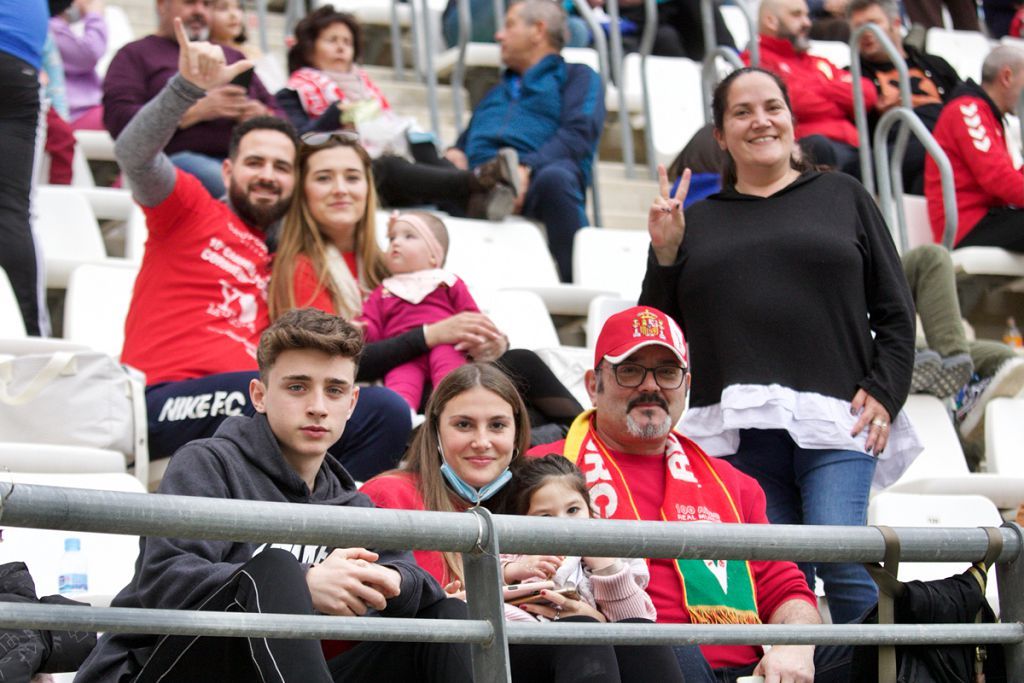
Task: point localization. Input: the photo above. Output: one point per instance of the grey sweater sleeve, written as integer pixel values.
(139, 147)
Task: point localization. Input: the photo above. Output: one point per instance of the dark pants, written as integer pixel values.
(273, 582)
(374, 439)
(1002, 227)
(408, 661)
(19, 119)
(680, 31)
(556, 197)
(400, 182)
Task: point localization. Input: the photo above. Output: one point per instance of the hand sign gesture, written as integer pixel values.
(665, 221)
(202, 64)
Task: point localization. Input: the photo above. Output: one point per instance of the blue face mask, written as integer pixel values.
(469, 493)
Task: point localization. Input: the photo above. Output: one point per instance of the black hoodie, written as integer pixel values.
(242, 461)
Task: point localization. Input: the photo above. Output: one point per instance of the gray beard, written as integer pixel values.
(648, 431)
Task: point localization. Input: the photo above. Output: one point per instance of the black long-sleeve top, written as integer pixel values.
(788, 290)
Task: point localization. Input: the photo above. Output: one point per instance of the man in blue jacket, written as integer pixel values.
(550, 112)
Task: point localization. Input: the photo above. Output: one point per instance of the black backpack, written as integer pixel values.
(958, 599)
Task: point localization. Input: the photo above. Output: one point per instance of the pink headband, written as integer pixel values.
(423, 230)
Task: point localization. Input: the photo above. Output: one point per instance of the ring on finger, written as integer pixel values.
(880, 423)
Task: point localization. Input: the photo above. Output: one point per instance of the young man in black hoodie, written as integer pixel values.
(304, 396)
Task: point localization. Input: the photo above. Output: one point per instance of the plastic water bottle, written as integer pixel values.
(1012, 336)
(74, 573)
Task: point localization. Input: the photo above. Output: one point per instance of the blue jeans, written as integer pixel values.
(805, 486)
(205, 168)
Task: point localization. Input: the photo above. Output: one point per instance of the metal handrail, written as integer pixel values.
(603, 70)
(397, 61)
(709, 74)
(615, 48)
(1020, 116)
(428, 68)
(888, 195)
(860, 115)
(477, 536)
(464, 16)
(754, 45)
(645, 47)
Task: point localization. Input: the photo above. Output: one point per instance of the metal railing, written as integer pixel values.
(860, 115)
(477, 536)
(890, 173)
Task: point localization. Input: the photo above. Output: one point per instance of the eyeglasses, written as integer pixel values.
(317, 138)
(632, 375)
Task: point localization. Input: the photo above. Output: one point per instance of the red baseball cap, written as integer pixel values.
(635, 328)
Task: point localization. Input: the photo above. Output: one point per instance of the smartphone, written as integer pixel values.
(522, 590)
(243, 79)
(568, 592)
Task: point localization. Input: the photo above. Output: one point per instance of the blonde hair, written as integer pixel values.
(423, 459)
(301, 236)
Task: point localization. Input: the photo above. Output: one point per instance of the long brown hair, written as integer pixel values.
(300, 235)
(423, 458)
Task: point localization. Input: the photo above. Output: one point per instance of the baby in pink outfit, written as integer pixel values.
(418, 292)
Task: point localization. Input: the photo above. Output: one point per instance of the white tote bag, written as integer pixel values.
(74, 398)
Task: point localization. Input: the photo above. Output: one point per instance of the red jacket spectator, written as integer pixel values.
(821, 92)
(970, 131)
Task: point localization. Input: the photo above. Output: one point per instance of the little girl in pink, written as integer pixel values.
(418, 292)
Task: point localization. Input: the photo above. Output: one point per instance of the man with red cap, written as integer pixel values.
(638, 467)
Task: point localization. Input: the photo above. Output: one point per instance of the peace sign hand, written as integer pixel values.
(665, 221)
(202, 64)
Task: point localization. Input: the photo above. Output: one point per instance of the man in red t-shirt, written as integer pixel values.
(637, 467)
(200, 299)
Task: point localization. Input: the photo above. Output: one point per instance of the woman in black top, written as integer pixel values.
(800, 324)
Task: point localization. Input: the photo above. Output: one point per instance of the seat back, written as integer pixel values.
(503, 255)
(611, 259)
(521, 315)
(834, 51)
(919, 228)
(1004, 437)
(964, 50)
(736, 22)
(942, 455)
(97, 303)
(12, 325)
(677, 112)
(602, 308)
(67, 231)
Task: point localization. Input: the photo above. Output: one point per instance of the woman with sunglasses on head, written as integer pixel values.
(328, 257)
(464, 456)
(328, 90)
(800, 323)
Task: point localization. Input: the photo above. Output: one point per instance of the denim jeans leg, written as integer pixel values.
(834, 486)
(767, 456)
(205, 168)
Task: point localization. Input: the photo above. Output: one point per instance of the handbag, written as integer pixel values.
(73, 398)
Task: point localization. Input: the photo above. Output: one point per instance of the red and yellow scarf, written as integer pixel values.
(714, 591)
